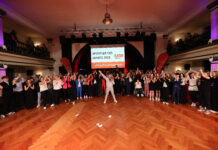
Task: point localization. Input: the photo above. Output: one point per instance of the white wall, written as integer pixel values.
(160, 47)
(172, 67)
(55, 51)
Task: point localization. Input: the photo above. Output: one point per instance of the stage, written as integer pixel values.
(134, 124)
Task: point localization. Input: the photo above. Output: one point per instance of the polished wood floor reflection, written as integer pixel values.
(136, 124)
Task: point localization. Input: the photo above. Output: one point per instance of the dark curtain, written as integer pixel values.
(149, 52)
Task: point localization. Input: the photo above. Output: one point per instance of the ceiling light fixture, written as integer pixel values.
(107, 17)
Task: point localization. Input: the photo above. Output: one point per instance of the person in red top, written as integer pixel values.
(66, 87)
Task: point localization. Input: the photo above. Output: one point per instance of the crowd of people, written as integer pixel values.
(13, 45)
(163, 87)
(190, 41)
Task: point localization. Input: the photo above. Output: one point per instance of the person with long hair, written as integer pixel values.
(152, 86)
(29, 94)
(44, 90)
(214, 94)
(157, 87)
(193, 88)
(57, 86)
(79, 84)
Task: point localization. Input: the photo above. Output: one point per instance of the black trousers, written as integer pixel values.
(206, 97)
(50, 96)
(214, 98)
(193, 96)
(8, 104)
(85, 90)
(19, 99)
(65, 94)
(57, 96)
(44, 97)
(90, 90)
(165, 94)
(139, 91)
(183, 94)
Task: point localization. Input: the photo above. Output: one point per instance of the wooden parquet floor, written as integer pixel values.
(136, 124)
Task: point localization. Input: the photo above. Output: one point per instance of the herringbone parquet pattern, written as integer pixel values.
(136, 124)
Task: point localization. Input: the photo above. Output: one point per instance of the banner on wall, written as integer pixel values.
(107, 57)
(162, 59)
(66, 63)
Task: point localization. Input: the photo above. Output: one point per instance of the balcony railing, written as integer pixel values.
(20, 48)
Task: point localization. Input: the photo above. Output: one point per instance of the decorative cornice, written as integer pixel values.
(213, 5)
(19, 18)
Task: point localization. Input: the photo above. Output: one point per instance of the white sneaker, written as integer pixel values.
(213, 111)
(167, 103)
(52, 105)
(137, 95)
(142, 95)
(207, 112)
(2, 116)
(37, 106)
(105, 102)
(150, 98)
(200, 109)
(81, 98)
(73, 102)
(44, 108)
(10, 113)
(193, 104)
(115, 101)
(164, 102)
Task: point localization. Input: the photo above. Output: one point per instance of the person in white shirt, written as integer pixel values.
(109, 86)
(138, 88)
(57, 86)
(18, 91)
(193, 88)
(44, 89)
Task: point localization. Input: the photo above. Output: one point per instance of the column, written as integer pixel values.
(2, 13)
(213, 7)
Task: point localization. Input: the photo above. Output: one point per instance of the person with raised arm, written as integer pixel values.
(193, 88)
(109, 86)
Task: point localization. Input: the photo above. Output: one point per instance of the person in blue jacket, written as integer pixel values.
(176, 88)
(79, 84)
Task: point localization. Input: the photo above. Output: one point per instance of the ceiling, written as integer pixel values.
(53, 15)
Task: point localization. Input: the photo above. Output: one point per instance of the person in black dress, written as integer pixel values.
(7, 96)
(152, 87)
(29, 94)
(206, 91)
(214, 94)
(117, 84)
(73, 94)
(157, 88)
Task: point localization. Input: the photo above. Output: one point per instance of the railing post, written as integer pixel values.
(213, 7)
(2, 13)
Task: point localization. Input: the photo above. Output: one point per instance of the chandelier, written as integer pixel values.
(107, 17)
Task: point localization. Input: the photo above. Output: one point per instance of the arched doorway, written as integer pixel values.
(82, 61)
